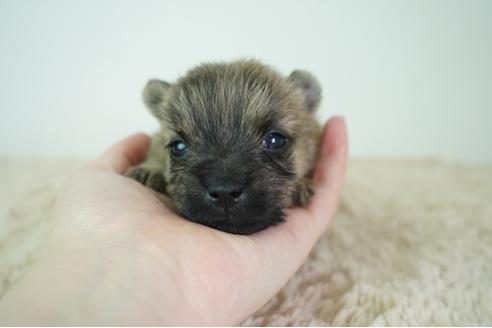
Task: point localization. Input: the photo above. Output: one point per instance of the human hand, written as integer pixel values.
(118, 255)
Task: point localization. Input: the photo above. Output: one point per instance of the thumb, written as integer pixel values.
(328, 181)
(330, 171)
(128, 152)
(284, 248)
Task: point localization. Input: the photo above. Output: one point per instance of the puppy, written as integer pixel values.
(237, 144)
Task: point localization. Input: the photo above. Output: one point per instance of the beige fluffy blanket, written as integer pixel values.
(410, 245)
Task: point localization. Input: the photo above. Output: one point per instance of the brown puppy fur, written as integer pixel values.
(237, 144)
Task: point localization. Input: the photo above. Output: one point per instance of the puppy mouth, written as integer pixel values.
(255, 210)
(243, 225)
(227, 215)
(227, 212)
(243, 218)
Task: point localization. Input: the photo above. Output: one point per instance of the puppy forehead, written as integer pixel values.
(227, 100)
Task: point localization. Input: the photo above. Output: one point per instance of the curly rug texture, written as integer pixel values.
(411, 244)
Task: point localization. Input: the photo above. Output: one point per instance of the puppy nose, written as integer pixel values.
(224, 193)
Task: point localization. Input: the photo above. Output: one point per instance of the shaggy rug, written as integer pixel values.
(410, 245)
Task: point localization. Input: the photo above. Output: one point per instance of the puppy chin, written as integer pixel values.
(239, 221)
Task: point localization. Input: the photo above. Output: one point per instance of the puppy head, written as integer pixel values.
(238, 139)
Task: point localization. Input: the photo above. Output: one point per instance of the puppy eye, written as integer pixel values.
(178, 148)
(274, 141)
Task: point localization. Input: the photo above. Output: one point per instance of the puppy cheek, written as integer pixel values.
(277, 190)
(187, 195)
(178, 192)
(285, 198)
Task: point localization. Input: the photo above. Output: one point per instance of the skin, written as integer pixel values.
(119, 256)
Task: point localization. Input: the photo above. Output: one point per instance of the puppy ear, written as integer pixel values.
(309, 87)
(154, 94)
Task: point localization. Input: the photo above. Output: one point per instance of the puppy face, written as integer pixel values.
(239, 138)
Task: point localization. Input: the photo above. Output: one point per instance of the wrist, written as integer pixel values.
(77, 282)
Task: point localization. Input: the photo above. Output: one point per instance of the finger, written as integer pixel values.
(330, 169)
(128, 152)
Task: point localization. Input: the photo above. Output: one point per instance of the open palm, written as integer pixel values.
(154, 267)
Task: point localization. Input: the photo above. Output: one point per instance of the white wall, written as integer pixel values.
(413, 78)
